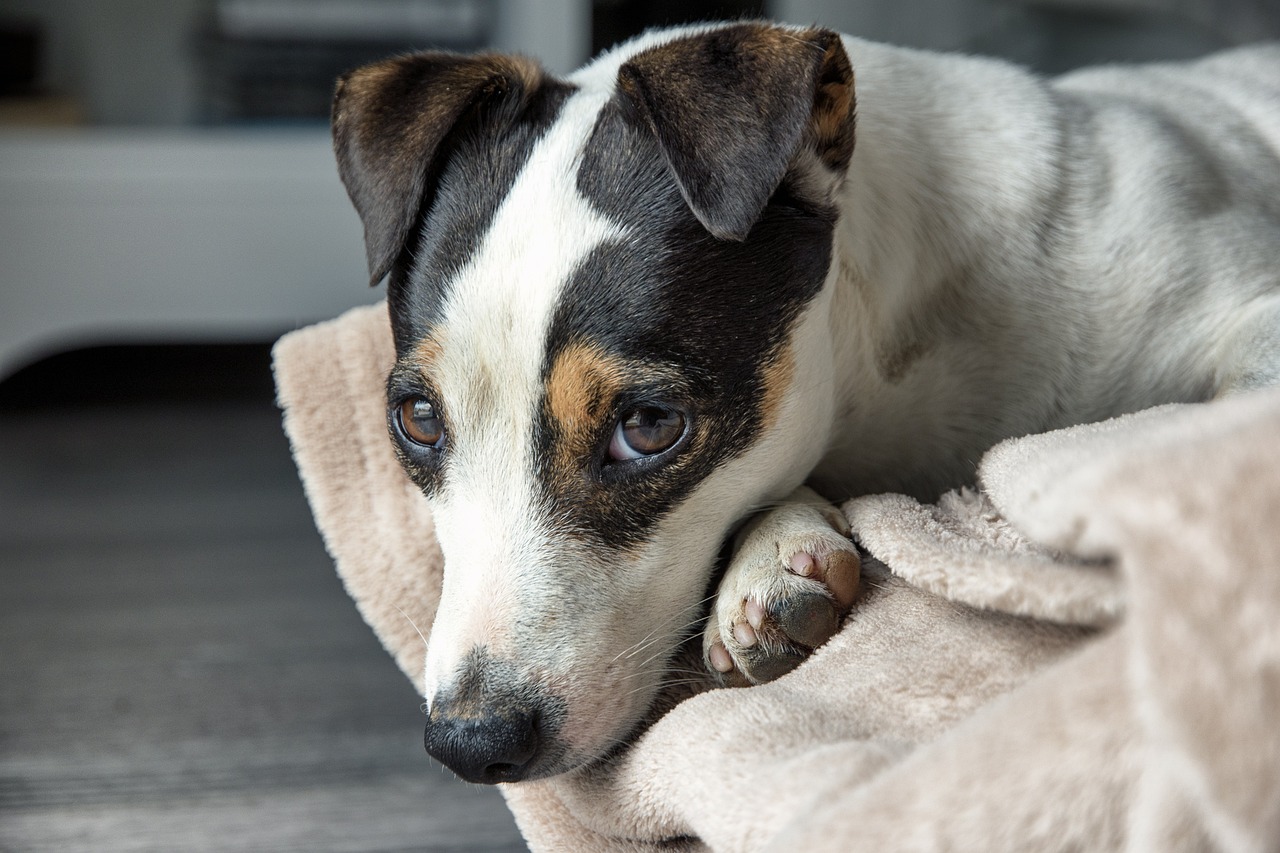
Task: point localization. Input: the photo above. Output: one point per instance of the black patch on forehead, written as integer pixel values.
(671, 289)
(479, 168)
(717, 311)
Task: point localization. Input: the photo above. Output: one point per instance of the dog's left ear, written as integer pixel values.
(734, 108)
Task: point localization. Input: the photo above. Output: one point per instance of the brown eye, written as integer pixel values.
(647, 431)
(420, 423)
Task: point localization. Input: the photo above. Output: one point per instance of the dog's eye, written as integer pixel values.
(420, 423)
(646, 431)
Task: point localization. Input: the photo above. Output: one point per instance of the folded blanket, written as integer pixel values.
(1082, 655)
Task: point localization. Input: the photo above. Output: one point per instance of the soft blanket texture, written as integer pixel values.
(1083, 655)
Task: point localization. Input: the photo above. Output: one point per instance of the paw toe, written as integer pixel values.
(744, 634)
(839, 570)
(719, 658)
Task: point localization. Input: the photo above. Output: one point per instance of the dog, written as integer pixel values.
(726, 274)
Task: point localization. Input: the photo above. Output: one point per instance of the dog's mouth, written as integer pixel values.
(518, 740)
(501, 725)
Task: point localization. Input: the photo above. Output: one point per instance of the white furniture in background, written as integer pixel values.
(152, 236)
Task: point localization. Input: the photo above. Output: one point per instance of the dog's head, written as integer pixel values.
(599, 289)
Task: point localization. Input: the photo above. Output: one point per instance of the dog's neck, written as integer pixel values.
(920, 360)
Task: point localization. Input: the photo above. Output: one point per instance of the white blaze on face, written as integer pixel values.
(488, 372)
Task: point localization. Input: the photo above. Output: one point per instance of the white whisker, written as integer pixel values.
(414, 624)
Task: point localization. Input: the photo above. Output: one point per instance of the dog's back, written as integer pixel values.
(1178, 192)
(1019, 254)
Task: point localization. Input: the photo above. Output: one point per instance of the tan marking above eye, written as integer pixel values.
(580, 389)
(777, 381)
(427, 352)
(581, 386)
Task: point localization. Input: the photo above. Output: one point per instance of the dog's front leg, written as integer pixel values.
(792, 578)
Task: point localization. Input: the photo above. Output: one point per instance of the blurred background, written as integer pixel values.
(180, 666)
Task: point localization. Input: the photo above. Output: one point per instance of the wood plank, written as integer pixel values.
(181, 668)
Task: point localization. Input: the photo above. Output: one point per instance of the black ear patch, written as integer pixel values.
(390, 121)
(732, 107)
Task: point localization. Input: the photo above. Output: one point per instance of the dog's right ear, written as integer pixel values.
(733, 106)
(390, 123)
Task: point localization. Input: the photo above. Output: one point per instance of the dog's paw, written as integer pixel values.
(792, 578)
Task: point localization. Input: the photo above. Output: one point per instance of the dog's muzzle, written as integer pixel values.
(489, 727)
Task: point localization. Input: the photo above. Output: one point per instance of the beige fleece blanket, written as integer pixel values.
(1085, 655)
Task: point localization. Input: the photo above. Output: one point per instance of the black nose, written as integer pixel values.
(497, 745)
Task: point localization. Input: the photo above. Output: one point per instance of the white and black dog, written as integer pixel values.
(637, 305)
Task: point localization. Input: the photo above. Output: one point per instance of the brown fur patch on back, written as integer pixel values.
(894, 362)
(934, 319)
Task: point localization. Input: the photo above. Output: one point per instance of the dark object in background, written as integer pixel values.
(24, 100)
(20, 46)
(1052, 37)
(154, 373)
(276, 60)
(613, 21)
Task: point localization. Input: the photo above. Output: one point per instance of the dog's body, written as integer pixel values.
(633, 307)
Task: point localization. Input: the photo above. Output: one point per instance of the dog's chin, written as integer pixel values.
(685, 677)
(559, 758)
(525, 707)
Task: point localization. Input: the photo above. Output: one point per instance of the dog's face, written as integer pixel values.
(602, 293)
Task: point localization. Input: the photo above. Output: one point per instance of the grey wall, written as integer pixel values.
(558, 32)
(155, 233)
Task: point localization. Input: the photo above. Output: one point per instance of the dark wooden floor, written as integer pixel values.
(179, 667)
